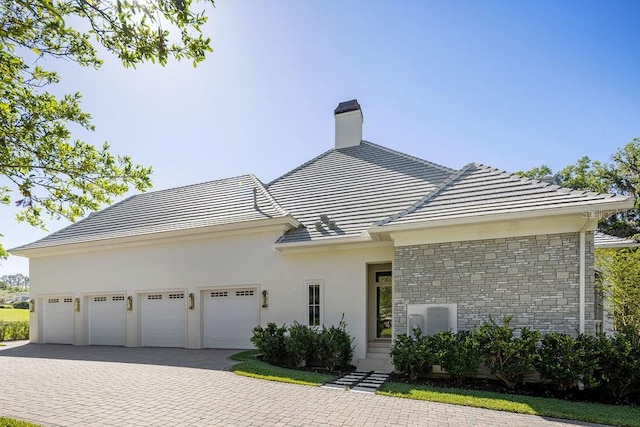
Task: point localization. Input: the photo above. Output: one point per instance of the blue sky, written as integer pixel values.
(509, 84)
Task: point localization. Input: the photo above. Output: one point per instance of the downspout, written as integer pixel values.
(583, 276)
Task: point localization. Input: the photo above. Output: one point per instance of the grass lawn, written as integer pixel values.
(556, 408)
(252, 367)
(10, 422)
(547, 407)
(14, 314)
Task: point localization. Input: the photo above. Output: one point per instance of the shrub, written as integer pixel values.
(509, 358)
(564, 360)
(270, 341)
(458, 354)
(7, 306)
(618, 364)
(413, 356)
(300, 344)
(335, 346)
(14, 330)
(21, 305)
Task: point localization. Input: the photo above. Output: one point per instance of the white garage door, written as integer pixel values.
(229, 317)
(58, 320)
(107, 320)
(164, 319)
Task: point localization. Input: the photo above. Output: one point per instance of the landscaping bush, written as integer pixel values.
(458, 354)
(300, 344)
(21, 305)
(564, 360)
(618, 362)
(14, 330)
(335, 347)
(413, 356)
(509, 358)
(7, 306)
(270, 341)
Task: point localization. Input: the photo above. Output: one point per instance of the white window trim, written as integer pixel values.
(307, 285)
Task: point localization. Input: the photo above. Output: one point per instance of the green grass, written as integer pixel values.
(10, 422)
(589, 412)
(9, 314)
(254, 368)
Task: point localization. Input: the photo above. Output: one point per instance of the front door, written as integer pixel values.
(383, 309)
(380, 291)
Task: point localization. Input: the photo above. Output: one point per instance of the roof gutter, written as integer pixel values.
(590, 210)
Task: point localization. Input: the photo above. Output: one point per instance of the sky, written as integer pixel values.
(510, 84)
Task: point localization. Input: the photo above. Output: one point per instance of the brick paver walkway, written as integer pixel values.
(108, 386)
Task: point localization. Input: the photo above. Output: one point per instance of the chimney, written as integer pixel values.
(348, 124)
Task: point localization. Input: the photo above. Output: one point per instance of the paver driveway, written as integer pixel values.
(110, 386)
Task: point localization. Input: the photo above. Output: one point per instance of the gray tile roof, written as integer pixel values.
(211, 203)
(354, 187)
(478, 190)
(603, 240)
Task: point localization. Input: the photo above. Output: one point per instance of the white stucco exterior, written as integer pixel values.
(196, 264)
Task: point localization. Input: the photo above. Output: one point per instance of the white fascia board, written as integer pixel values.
(280, 225)
(588, 210)
(364, 240)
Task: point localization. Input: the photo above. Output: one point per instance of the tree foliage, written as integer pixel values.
(621, 270)
(42, 169)
(622, 177)
(18, 282)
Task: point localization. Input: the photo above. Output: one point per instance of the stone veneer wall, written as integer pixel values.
(534, 278)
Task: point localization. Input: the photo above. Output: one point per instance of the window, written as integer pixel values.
(314, 303)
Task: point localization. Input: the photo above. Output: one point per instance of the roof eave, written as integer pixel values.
(590, 210)
(283, 223)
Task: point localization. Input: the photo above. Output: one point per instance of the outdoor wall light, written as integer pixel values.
(76, 304)
(192, 301)
(32, 306)
(265, 299)
(129, 303)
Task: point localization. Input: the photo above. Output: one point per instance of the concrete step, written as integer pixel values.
(375, 365)
(383, 350)
(379, 344)
(374, 355)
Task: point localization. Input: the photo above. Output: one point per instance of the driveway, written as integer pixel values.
(57, 385)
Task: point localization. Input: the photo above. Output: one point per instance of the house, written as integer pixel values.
(19, 297)
(387, 239)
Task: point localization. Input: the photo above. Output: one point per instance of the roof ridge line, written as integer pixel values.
(267, 194)
(428, 197)
(305, 164)
(409, 156)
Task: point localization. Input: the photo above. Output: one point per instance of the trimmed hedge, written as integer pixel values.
(14, 330)
(299, 345)
(609, 364)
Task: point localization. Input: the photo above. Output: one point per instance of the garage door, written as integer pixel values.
(107, 320)
(164, 319)
(229, 317)
(58, 320)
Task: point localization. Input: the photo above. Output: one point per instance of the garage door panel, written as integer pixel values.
(107, 320)
(164, 319)
(229, 318)
(58, 320)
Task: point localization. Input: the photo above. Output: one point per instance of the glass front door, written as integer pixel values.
(384, 292)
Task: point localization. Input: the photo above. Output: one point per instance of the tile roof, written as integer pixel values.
(478, 190)
(603, 240)
(211, 203)
(354, 187)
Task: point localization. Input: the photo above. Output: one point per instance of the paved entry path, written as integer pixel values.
(56, 385)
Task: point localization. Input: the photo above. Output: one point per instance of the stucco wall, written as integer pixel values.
(216, 262)
(534, 278)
